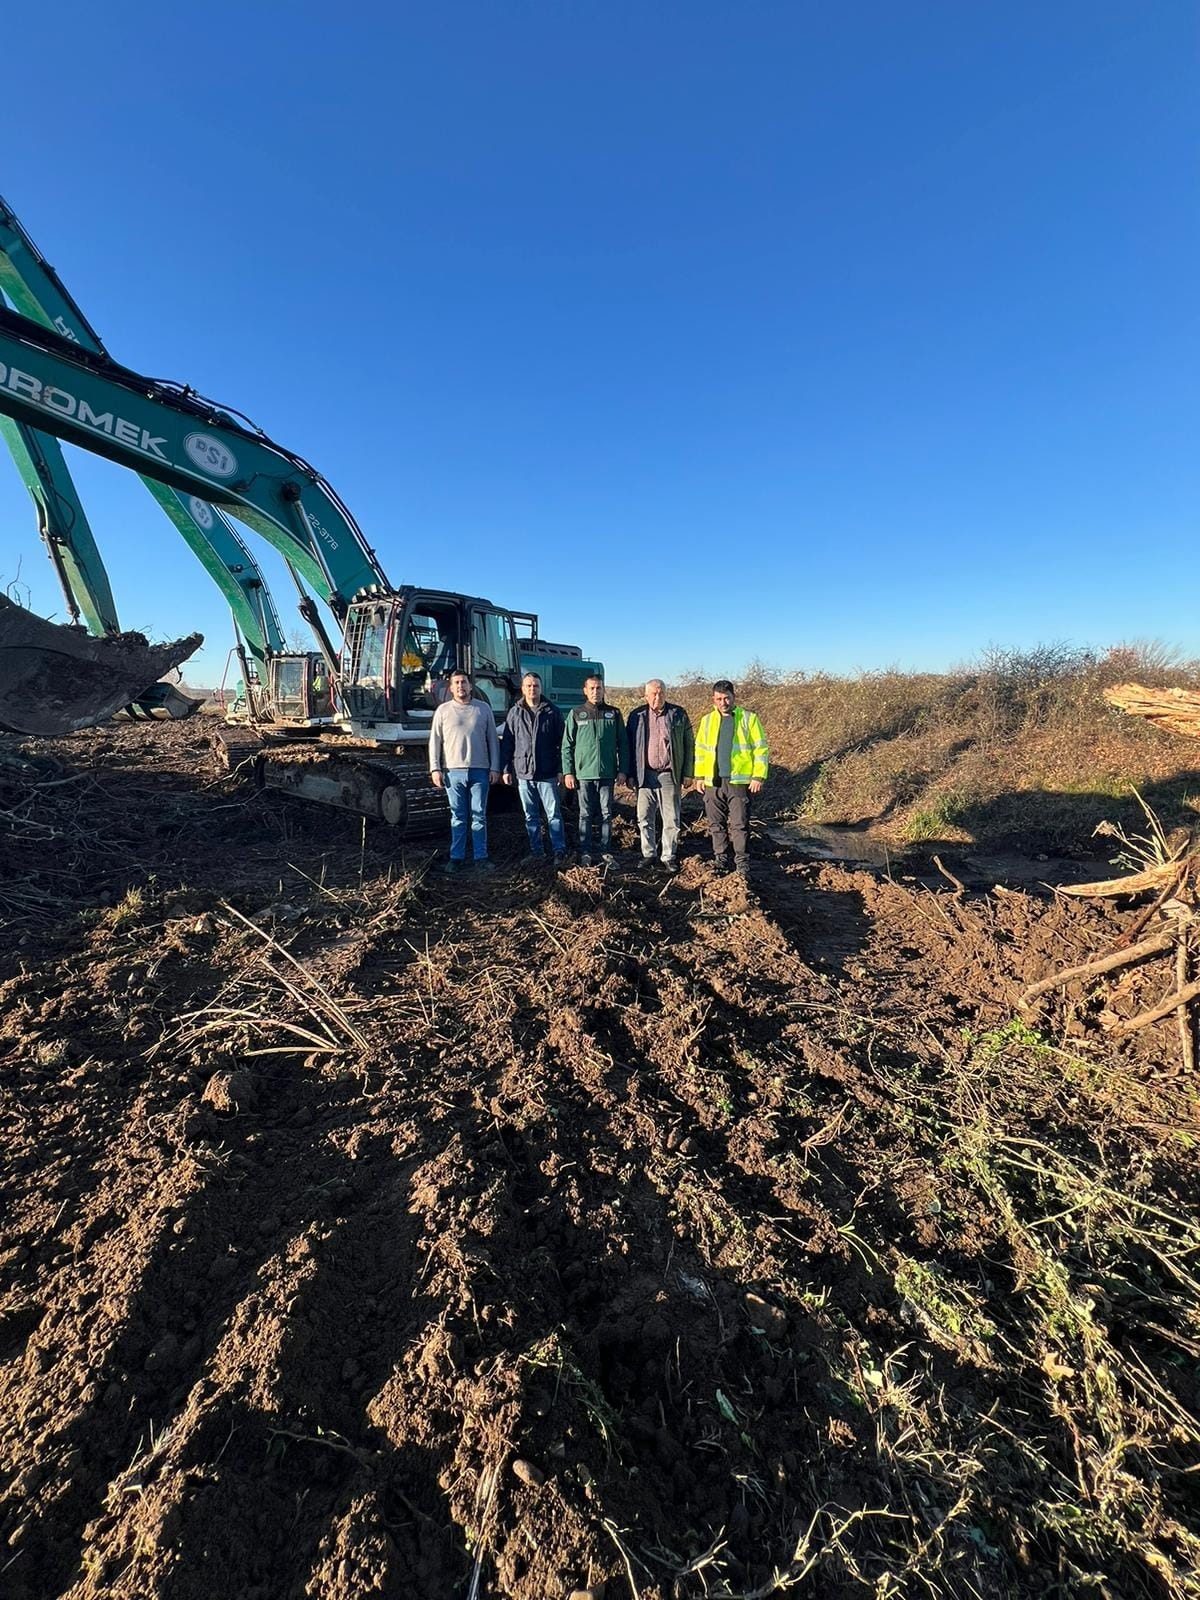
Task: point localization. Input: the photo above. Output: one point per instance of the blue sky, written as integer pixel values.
(835, 336)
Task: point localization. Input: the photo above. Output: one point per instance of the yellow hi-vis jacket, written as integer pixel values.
(748, 758)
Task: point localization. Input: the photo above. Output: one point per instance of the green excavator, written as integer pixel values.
(398, 644)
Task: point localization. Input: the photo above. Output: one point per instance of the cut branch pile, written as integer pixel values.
(1176, 710)
(1171, 919)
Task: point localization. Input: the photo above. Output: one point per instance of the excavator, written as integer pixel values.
(62, 683)
(398, 644)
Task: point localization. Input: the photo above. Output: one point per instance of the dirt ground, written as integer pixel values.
(364, 1232)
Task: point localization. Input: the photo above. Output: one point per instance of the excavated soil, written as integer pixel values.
(365, 1232)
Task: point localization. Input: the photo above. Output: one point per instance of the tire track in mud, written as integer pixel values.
(618, 1191)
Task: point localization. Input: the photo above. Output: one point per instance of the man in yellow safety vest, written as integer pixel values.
(731, 765)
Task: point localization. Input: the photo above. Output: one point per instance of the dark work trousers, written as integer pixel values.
(727, 807)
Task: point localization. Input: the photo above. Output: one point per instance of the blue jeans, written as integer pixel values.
(545, 791)
(595, 792)
(467, 792)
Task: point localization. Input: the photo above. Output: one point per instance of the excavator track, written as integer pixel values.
(389, 789)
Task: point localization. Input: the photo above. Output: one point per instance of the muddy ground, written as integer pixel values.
(364, 1232)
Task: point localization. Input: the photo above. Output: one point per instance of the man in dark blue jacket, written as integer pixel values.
(531, 755)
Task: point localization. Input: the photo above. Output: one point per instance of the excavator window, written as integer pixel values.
(428, 655)
(494, 658)
(289, 673)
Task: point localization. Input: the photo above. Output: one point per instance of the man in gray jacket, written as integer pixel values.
(464, 760)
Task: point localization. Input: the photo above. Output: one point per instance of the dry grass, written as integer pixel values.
(1017, 748)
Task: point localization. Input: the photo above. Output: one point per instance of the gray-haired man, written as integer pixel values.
(661, 755)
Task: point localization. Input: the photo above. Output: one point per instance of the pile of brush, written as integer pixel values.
(1167, 867)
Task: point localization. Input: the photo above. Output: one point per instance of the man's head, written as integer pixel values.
(593, 690)
(656, 693)
(723, 696)
(531, 688)
(460, 687)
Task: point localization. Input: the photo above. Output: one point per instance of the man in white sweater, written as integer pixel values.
(464, 760)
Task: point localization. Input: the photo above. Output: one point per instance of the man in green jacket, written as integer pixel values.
(731, 765)
(593, 757)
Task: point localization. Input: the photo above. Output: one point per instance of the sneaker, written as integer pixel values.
(609, 860)
(720, 865)
(646, 864)
(585, 860)
(560, 860)
(742, 868)
(485, 865)
(671, 867)
(453, 866)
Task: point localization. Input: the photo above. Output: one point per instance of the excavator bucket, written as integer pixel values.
(55, 679)
(163, 702)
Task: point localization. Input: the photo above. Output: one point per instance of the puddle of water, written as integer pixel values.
(826, 843)
(860, 847)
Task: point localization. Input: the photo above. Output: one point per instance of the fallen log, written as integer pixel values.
(1174, 1002)
(1094, 969)
(1183, 1016)
(1133, 883)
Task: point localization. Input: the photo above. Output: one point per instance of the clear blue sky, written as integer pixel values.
(839, 336)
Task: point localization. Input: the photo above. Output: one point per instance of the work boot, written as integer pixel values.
(646, 864)
(485, 865)
(560, 860)
(720, 865)
(671, 867)
(585, 859)
(452, 866)
(742, 868)
(609, 860)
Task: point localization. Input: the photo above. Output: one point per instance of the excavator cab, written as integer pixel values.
(300, 689)
(399, 653)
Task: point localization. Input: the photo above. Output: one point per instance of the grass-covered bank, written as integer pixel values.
(1020, 749)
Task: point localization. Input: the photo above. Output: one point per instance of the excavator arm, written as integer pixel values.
(63, 525)
(33, 287)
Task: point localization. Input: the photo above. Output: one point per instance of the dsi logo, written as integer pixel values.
(210, 455)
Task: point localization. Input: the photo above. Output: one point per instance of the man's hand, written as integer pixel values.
(437, 780)
(622, 780)
(569, 780)
(508, 778)
(755, 785)
(699, 782)
(493, 777)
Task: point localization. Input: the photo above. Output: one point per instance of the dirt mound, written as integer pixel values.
(366, 1232)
